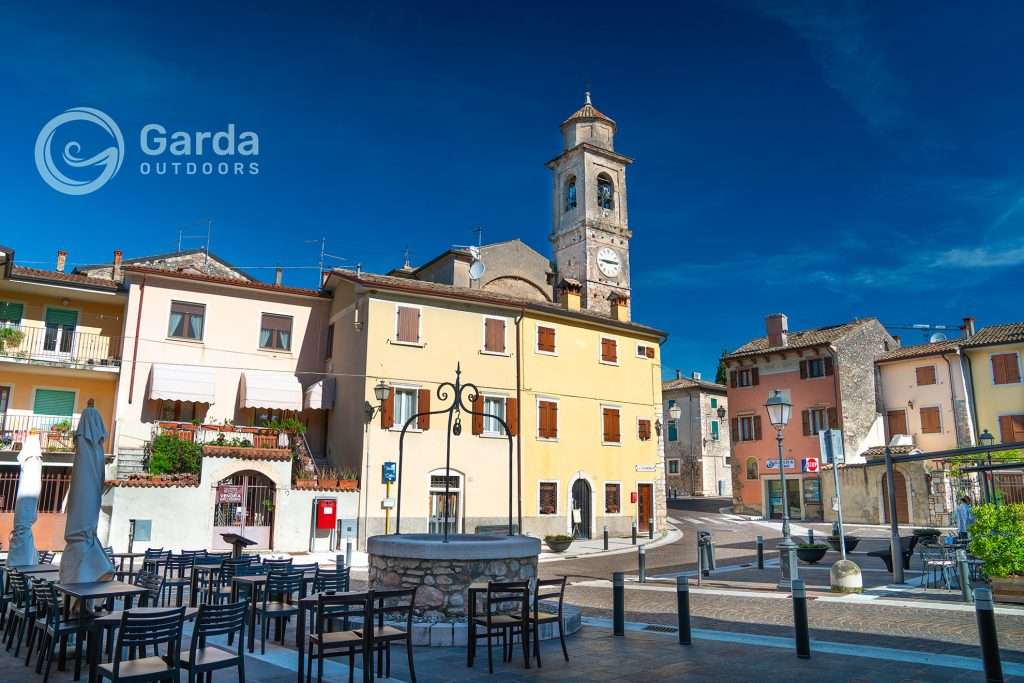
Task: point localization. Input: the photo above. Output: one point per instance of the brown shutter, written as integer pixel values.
(833, 418)
(552, 420)
(828, 365)
(1012, 368)
(512, 415)
(755, 377)
(408, 324)
(494, 335)
(423, 406)
(542, 420)
(805, 415)
(1017, 423)
(478, 420)
(546, 339)
(611, 425)
(1006, 429)
(644, 430)
(803, 369)
(387, 411)
(734, 429)
(609, 352)
(649, 352)
(757, 428)
(732, 379)
(931, 421)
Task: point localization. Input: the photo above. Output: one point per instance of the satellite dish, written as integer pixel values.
(477, 269)
(937, 337)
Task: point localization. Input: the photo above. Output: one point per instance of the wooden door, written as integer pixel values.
(644, 506)
(902, 508)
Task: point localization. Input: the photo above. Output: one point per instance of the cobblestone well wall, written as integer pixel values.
(443, 584)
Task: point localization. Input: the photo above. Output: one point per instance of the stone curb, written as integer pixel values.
(671, 536)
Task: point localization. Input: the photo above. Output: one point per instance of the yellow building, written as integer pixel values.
(994, 359)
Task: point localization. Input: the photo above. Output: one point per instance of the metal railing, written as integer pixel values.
(59, 346)
(56, 482)
(56, 432)
(213, 435)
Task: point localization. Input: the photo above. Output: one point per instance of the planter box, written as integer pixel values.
(851, 543)
(811, 555)
(559, 546)
(1008, 589)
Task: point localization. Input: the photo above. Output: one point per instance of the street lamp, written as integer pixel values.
(675, 412)
(779, 409)
(381, 392)
(987, 440)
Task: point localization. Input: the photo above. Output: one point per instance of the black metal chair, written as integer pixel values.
(543, 589)
(324, 642)
(220, 589)
(153, 558)
(46, 556)
(285, 563)
(21, 611)
(5, 593)
(108, 623)
(216, 620)
(51, 629)
(397, 605)
(141, 630)
(506, 612)
(177, 576)
(278, 603)
(337, 579)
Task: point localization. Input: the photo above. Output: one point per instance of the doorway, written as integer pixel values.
(5, 402)
(644, 506)
(60, 331)
(581, 509)
(902, 508)
(774, 497)
(444, 507)
(244, 505)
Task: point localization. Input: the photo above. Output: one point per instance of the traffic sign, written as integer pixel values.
(831, 443)
(772, 464)
(390, 472)
(809, 464)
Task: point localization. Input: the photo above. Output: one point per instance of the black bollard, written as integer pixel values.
(606, 537)
(619, 603)
(810, 535)
(803, 634)
(986, 616)
(650, 528)
(634, 533)
(760, 552)
(683, 608)
(642, 563)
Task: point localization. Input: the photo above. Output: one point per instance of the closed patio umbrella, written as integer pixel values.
(30, 483)
(83, 558)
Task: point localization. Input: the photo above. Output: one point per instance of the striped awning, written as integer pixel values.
(270, 390)
(182, 383)
(320, 394)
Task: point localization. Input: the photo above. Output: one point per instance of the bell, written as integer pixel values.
(457, 427)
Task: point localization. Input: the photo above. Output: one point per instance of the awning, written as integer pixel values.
(271, 390)
(182, 383)
(320, 395)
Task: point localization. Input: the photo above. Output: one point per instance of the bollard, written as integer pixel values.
(986, 616)
(803, 635)
(619, 603)
(760, 552)
(606, 537)
(634, 533)
(683, 609)
(964, 571)
(348, 552)
(642, 561)
(650, 528)
(339, 562)
(810, 535)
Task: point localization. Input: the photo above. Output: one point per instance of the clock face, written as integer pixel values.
(608, 262)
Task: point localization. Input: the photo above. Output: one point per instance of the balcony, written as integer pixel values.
(56, 432)
(59, 346)
(225, 435)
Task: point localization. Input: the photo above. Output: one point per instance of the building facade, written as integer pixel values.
(697, 445)
(994, 363)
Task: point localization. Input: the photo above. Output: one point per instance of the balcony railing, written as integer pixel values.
(56, 481)
(258, 437)
(59, 346)
(56, 432)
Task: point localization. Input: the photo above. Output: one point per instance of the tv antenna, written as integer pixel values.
(209, 233)
(323, 256)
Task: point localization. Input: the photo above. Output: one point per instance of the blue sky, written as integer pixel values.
(830, 163)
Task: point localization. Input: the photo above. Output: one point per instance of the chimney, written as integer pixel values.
(278, 276)
(968, 326)
(679, 373)
(696, 376)
(570, 294)
(62, 258)
(620, 307)
(777, 325)
(115, 272)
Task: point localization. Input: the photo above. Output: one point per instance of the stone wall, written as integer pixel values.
(861, 397)
(861, 487)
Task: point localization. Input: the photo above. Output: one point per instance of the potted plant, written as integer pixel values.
(997, 539)
(62, 427)
(10, 337)
(558, 543)
(851, 542)
(811, 553)
(927, 535)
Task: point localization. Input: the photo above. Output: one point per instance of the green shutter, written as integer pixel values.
(673, 435)
(671, 402)
(11, 313)
(714, 429)
(714, 402)
(61, 317)
(52, 402)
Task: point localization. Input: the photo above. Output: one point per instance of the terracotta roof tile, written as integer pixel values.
(798, 340)
(588, 112)
(876, 452)
(23, 273)
(919, 350)
(155, 481)
(247, 453)
(234, 282)
(1009, 333)
(689, 383)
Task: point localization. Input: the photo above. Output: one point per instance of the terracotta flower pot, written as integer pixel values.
(1008, 589)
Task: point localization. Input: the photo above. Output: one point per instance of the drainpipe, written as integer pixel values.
(970, 385)
(135, 344)
(952, 399)
(519, 416)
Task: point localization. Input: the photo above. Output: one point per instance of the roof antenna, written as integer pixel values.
(405, 260)
(479, 230)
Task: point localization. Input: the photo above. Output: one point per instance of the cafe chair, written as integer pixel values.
(20, 612)
(220, 590)
(216, 620)
(506, 612)
(397, 606)
(139, 631)
(545, 589)
(51, 629)
(285, 563)
(278, 603)
(108, 623)
(325, 642)
(177, 576)
(46, 556)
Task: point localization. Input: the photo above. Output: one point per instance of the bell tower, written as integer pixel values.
(590, 229)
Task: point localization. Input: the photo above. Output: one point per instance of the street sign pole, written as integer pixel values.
(830, 456)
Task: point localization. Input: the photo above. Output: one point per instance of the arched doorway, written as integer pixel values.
(902, 508)
(445, 499)
(244, 505)
(581, 509)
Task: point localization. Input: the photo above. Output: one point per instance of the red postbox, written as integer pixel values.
(632, 496)
(326, 513)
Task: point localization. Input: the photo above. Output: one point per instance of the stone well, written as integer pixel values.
(444, 571)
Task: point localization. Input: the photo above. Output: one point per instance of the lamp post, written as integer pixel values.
(779, 409)
(987, 440)
(381, 392)
(721, 425)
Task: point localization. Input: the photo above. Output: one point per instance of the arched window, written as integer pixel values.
(605, 192)
(751, 468)
(570, 194)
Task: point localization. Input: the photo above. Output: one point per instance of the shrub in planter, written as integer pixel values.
(997, 539)
(927, 535)
(558, 543)
(171, 455)
(851, 542)
(811, 552)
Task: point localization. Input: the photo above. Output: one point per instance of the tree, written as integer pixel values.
(722, 374)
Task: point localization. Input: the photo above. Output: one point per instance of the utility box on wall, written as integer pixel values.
(326, 513)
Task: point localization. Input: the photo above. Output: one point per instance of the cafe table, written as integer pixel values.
(255, 583)
(95, 590)
(37, 569)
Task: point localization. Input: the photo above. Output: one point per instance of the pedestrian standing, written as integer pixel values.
(964, 517)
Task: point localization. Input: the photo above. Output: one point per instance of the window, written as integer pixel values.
(752, 468)
(10, 313)
(545, 339)
(673, 431)
(896, 421)
(605, 192)
(644, 351)
(548, 498)
(931, 420)
(570, 194)
(405, 406)
(673, 466)
(1005, 368)
(818, 420)
(746, 428)
(714, 430)
(643, 430)
(609, 350)
(1011, 428)
(494, 335)
(186, 320)
(547, 419)
(407, 325)
(714, 402)
(178, 411)
(330, 341)
(53, 402)
(494, 405)
(610, 425)
(816, 367)
(276, 332)
(748, 377)
(611, 499)
(925, 375)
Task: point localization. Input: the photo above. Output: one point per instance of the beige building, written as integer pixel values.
(697, 444)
